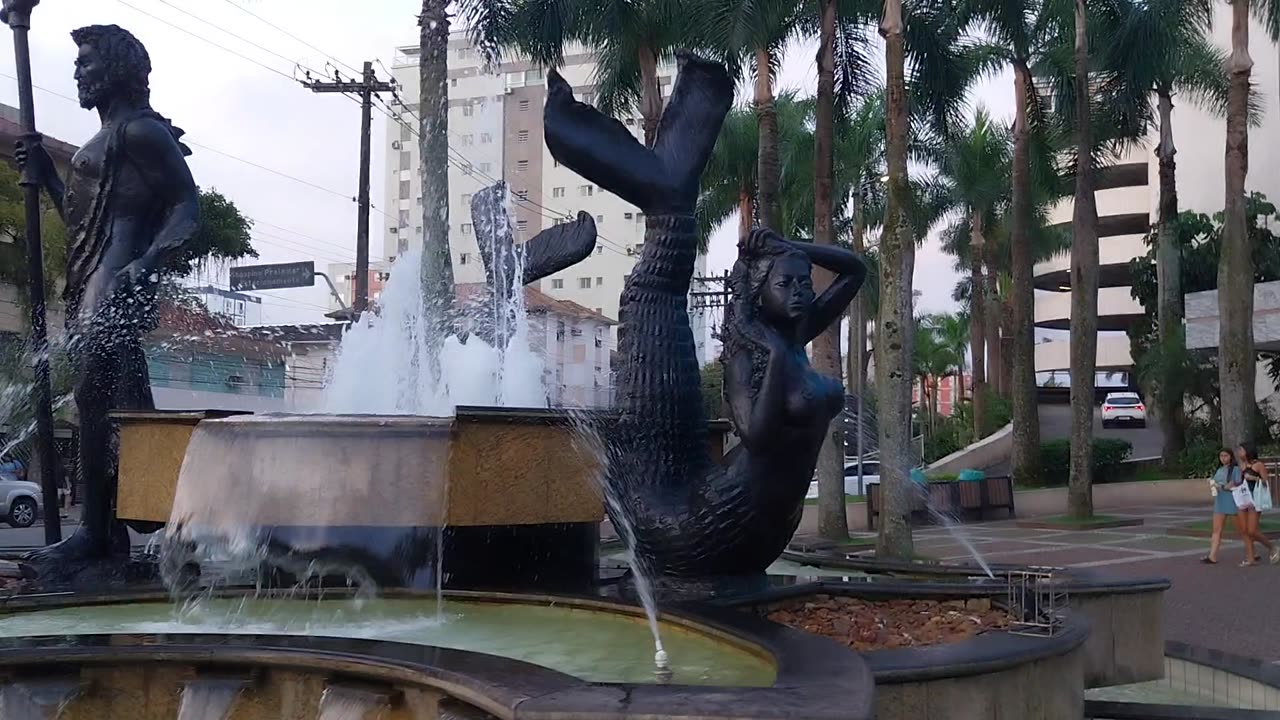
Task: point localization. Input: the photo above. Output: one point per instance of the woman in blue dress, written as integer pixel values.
(1225, 478)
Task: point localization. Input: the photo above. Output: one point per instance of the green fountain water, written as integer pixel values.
(593, 645)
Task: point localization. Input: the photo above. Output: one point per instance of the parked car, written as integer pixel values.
(870, 476)
(20, 501)
(1123, 408)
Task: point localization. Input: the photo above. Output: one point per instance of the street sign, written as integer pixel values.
(273, 277)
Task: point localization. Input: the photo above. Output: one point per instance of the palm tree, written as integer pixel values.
(1161, 48)
(974, 168)
(1236, 359)
(433, 149)
(952, 331)
(1015, 27)
(894, 348)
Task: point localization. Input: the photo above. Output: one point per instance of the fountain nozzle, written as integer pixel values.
(660, 660)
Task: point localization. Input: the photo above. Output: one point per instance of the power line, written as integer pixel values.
(224, 48)
(237, 36)
(270, 24)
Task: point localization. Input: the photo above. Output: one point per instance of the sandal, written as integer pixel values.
(1246, 563)
(1208, 561)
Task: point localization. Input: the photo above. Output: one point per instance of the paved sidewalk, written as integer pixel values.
(1221, 606)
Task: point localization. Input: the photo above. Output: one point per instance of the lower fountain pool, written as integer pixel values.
(594, 645)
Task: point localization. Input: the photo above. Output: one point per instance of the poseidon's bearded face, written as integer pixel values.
(110, 64)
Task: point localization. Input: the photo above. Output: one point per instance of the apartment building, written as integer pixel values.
(343, 276)
(1127, 197)
(495, 133)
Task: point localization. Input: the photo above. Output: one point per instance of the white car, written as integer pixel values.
(1123, 408)
(19, 501)
(870, 476)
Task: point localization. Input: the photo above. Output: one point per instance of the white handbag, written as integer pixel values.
(1243, 498)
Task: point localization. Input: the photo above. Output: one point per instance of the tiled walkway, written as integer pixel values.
(1221, 606)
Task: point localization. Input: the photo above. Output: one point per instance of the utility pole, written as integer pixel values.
(365, 87)
(17, 15)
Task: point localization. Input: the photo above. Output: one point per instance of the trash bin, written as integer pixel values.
(918, 476)
(971, 476)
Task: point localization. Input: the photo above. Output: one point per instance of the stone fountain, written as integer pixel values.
(473, 538)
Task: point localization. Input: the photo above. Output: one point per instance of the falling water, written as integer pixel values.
(37, 699)
(382, 366)
(588, 439)
(346, 703)
(209, 698)
(956, 530)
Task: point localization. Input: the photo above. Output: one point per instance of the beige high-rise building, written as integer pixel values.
(495, 133)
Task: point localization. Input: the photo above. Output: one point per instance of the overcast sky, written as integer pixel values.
(230, 105)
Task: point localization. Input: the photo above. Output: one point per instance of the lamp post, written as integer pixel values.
(17, 15)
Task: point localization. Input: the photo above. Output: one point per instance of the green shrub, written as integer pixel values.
(1109, 455)
(945, 477)
(1199, 459)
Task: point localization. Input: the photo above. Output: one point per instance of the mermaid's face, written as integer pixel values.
(787, 294)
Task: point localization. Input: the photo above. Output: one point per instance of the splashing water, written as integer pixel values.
(341, 703)
(383, 366)
(956, 531)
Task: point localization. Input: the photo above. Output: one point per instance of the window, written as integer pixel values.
(589, 98)
(586, 190)
(468, 110)
(639, 217)
(557, 192)
(418, 200)
(522, 224)
(557, 284)
(406, 132)
(532, 76)
(464, 258)
(522, 194)
(584, 283)
(417, 230)
(599, 282)
(522, 136)
(524, 105)
(486, 167)
(453, 82)
(466, 228)
(464, 53)
(405, 161)
(599, 219)
(404, 189)
(486, 138)
(559, 336)
(522, 165)
(402, 245)
(626, 216)
(599, 249)
(555, 162)
(599, 340)
(466, 198)
(404, 218)
(468, 139)
(465, 168)
(631, 121)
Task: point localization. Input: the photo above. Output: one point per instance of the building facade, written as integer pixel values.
(240, 308)
(344, 275)
(1127, 197)
(495, 133)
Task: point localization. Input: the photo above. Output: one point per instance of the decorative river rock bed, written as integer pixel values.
(866, 625)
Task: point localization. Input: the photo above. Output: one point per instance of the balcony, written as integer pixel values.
(1113, 353)
(1114, 255)
(1117, 310)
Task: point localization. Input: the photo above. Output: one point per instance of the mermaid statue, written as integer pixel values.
(692, 517)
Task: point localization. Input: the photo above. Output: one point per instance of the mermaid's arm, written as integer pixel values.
(831, 304)
(757, 419)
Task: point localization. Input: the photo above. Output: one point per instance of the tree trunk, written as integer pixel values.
(650, 95)
(833, 521)
(433, 147)
(996, 370)
(977, 326)
(896, 327)
(1026, 420)
(1235, 264)
(746, 213)
(1169, 411)
(1084, 289)
(768, 170)
(856, 363)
